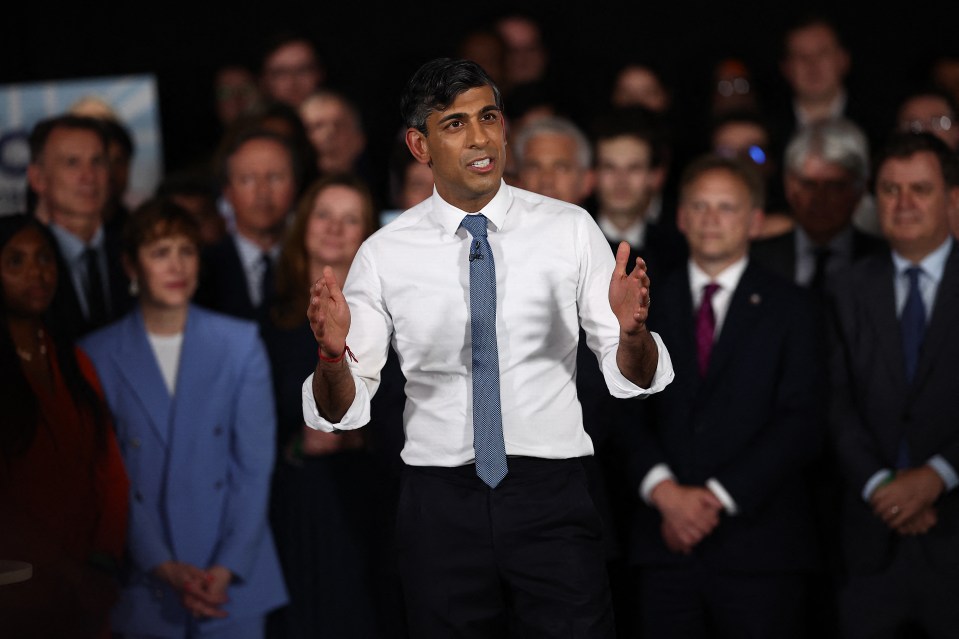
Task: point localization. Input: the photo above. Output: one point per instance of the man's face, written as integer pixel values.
(718, 219)
(71, 177)
(822, 196)
(914, 202)
(931, 114)
(815, 63)
(525, 53)
(625, 178)
(549, 166)
(334, 133)
(638, 85)
(291, 73)
(466, 144)
(260, 186)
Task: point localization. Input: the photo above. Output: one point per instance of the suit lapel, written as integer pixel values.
(879, 308)
(139, 369)
(945, 317)
(744, 310)
(195, 377)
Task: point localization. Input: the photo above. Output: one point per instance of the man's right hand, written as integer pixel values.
(689, 513)
(329, 315)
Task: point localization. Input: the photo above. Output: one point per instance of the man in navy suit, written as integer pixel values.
(895, 407)
(724, 532)
(259, 176)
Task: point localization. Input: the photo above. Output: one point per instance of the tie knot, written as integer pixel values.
(475, 224)
(913, 273)
(709, 290)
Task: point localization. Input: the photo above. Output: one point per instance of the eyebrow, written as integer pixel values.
(459, 116)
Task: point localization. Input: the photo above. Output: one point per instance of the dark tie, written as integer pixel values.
(488, 444)
(912, 325)
(96, 300)
(822, 255)
(268, 283)
(705, 327)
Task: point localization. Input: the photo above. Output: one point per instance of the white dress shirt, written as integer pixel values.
(409, 286)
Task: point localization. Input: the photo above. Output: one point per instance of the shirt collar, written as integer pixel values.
(840, 244)
(71, 245)
(450, 217)
(932, 265)
(251, 254)
(728, 278)
(634, 235)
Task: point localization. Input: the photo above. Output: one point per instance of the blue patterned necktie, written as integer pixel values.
(912, 326)
(488, 444)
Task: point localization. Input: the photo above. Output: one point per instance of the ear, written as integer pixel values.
(681, 219)
(35, 178)
(757, 218)
(588, 184)
(657, 177)
(418, 145)
(791, 187)
(129, 267)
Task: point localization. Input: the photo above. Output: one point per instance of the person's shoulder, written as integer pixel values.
(105, 338)
(543, 203)
(213, 322)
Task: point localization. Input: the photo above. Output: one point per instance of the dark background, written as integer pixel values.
(372, 48)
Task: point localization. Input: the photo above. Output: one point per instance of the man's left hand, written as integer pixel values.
(629, 294)
(911, 491)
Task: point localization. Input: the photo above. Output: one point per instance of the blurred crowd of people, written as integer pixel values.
(155, 467)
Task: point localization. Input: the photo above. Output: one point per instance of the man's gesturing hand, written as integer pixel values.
(329, 315)
(629, 294)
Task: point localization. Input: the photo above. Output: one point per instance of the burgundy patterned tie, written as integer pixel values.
(705, 327)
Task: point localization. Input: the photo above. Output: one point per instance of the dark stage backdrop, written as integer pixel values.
(371, 48)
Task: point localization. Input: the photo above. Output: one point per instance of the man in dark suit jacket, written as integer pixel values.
(825, 173)
(725, 529)
(895, 402)
(259, 175)
(68, 173)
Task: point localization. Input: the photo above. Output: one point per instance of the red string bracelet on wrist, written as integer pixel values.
(339, 358)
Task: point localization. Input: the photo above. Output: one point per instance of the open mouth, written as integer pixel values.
(482, 163)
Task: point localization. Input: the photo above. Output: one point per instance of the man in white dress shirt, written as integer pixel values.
(522, 551)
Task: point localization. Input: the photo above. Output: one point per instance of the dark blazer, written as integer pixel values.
(223, 286)
(664, 250)
(66, 310)
(873, 406)
(753, 423)
(778, 253)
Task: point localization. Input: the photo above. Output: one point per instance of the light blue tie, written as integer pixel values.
(488, 444)
(912, 325)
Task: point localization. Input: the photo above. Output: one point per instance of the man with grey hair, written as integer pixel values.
(826, 168)
(555, 159)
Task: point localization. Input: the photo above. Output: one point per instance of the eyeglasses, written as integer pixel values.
(935, 123)
(737, 86)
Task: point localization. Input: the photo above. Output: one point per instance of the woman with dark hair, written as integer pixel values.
(63, 489)
(191, 397)
(326, 497)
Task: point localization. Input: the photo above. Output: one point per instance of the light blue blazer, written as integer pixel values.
(199, 463)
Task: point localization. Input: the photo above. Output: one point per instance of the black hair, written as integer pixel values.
(637, 122)
(41, 131)
(20, 405)
(436, 85)
(117, 132)
(905, 145)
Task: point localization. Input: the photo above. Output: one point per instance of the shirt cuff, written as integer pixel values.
(879, 478)
(656, 475)
(620, 387)
(945, 471)
(729, 504)
(357, 415)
